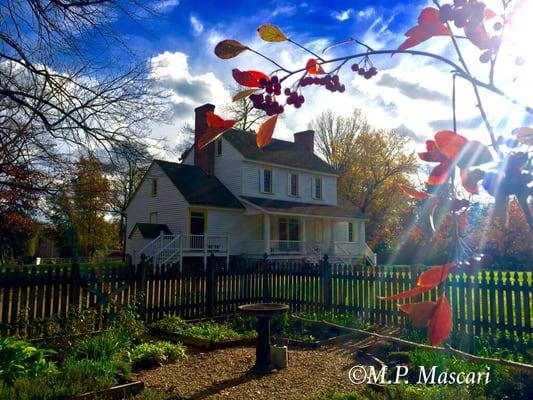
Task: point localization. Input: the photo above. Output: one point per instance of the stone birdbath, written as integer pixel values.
(264, 312)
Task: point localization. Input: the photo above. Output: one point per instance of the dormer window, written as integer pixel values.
(294, 185)
(317, 188)
(153, 191)
(266, 180)
(218, 150)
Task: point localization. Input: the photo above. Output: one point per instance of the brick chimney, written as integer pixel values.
(305, 140)
(204, 158)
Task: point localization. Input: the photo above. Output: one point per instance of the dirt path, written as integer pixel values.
(224, 374)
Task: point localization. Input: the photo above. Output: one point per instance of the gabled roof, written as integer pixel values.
(150, 231)
(344, 209)
(278, 151)
(198, 187)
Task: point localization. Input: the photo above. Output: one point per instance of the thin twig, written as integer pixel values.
(449, 350)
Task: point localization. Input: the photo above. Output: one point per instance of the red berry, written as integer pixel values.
(355, 67)
(485, 57)
(498, 26)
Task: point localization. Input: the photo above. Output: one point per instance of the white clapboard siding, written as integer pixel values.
(170, 206)
(228, 167)
(251, 184)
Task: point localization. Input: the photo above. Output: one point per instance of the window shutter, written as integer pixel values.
(289, 177)
(261, 179)
(313, 187)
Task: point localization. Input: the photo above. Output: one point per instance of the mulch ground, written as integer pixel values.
(225, 374)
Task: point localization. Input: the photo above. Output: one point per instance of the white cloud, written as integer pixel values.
(185, 90)
(197, 26)
(342, 15)
(366, 13)
(166, 5)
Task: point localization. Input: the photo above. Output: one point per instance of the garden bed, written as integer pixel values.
(205, 334)
(125, 389)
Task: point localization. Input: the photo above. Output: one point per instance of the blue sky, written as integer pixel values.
(409, 94)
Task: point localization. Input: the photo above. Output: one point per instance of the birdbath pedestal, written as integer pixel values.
(263, 312)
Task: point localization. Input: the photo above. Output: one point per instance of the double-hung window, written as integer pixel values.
(153, 190)
(266, 180)
(317, 188)
(351, 233)
(294, 185)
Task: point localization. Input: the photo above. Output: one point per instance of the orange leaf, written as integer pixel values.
(216, 126)
(417, 194)
(524, 135)
(433, 276)
(248, 78)
(265, 132)
(450, 143)
(440, 324)
(416, 291)
(229, 48)
(314, 68)
(419, 313)
(489, 14)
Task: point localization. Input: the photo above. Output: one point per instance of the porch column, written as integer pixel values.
(303, 249)
(332, 236)
(266, 232)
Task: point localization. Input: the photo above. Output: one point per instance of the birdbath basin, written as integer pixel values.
(263, 312)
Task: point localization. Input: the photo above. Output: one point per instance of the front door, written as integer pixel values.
(197, 229)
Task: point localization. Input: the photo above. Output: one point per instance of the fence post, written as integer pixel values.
(210, 285)
(264, 273)
(326, 282)
(141, 270)
(75, 283)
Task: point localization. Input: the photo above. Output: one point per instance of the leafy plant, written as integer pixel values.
(101, 347)
(157, 353)
(208, 330)
(21, 359)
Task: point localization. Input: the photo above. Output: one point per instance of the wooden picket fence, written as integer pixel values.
(491, 303)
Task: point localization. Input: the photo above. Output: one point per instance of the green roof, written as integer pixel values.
(345, 209)
(198, 187)
(278, 151)
(150, 231)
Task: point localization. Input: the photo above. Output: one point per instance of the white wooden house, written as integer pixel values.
(233, 199)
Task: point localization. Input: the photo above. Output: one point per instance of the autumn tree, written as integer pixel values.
(81, 210)
(243, 111)
(372, 164)
(336, 136)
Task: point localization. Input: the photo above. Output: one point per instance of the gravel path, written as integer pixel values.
(223, 374)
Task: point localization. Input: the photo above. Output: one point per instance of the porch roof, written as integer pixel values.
(150, 231)
(345, 209)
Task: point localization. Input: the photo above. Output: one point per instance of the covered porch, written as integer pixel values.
(281, 234)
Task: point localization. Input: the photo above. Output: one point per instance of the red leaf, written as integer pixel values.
(429, 25)
(440, 324)
(478, 36)
(470, 179)
(439, 175)
(450, 143)
(416, 291)
(489, 14)
(314, 68)
(473, 153)
(417, 194)
(433, 276)
(248, 78)
(419, 313)
(432, 156)
(265, 132)
(216, 126)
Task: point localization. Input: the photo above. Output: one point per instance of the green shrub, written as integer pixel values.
(75, 378)
(101, 347)
(21, 359)
(157, 353)
(208, 330)
(407, 392)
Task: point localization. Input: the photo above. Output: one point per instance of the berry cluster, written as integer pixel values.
(470, 14)
(271, 86)
(293, 98)
(367, 73)
(267, 103)
(330, 82)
